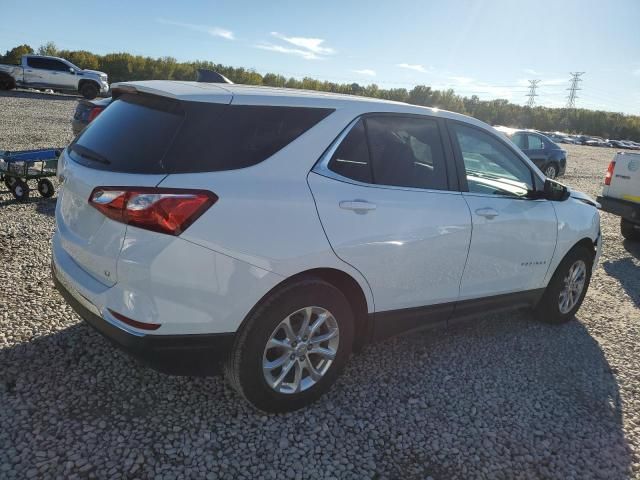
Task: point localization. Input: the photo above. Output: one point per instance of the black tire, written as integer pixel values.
(20, 190)
(629, 230)
(9, 181)
(548, 309)
(243, 369)
(45, 187)
(7, 82)
(551, 170)
(89, 90)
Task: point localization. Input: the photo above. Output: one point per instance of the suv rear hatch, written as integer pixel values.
(126, 146)
(145, 135)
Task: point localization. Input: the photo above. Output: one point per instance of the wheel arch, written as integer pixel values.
(346, 283)
(84, 81)
(587, 243)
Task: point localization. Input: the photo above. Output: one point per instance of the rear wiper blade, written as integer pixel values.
(89, 154)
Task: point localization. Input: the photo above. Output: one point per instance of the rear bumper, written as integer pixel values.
(194, 355)
(622, 208)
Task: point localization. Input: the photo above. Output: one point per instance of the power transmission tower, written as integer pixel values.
(533, 84)
(573, 88)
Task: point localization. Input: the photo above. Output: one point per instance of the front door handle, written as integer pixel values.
(487, 213)
(358, 206)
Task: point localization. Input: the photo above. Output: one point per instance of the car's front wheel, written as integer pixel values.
(567, 288)
(89, 90)
(293, 347)
(551, 171)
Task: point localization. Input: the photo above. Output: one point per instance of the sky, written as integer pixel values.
(490, 48)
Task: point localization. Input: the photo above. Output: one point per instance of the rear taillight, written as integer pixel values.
(93, 113)
(609, 175)
(164, 210)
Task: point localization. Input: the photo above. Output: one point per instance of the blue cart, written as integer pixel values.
(17, 168)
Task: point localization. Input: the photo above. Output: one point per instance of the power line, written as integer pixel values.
(533, 84)
(573, 88)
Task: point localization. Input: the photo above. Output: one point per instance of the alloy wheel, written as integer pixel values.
(300, 350)
(574, 283)
(550, 171)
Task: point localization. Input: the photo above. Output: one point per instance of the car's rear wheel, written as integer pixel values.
(568, 286)
(89, 90)
(293, 346)
(7, 82)
(629, 230)
(551, 171)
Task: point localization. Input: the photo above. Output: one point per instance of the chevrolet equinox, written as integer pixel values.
(272, 231)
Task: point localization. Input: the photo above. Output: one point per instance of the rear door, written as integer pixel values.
(35, 72)
(536, 150)
(124, 146)
(386, 204)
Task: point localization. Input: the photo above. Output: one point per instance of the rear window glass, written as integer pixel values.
(145, 134)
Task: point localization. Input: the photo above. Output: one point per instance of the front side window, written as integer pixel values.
(535, 143)
(406, 152)
(491, 167)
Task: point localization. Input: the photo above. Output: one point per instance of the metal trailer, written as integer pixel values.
(17, 168)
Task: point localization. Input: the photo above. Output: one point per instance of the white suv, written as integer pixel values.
(279, 230)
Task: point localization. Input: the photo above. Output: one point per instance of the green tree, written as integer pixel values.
(48, 48)
(14, 55)
(124, 67)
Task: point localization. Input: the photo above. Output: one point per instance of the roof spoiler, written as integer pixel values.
(211, 76)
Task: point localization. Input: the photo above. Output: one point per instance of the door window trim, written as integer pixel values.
(537, 182)
(322, 165)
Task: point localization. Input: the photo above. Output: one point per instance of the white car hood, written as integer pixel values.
(583, 197)
(96, 72)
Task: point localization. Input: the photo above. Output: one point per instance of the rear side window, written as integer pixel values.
(145, 134)
(225, 137)
(519, 140)
(535, 143)
(35, 62)
(407, 152)
(351, 159)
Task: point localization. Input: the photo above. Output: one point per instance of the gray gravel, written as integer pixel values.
(502, 397)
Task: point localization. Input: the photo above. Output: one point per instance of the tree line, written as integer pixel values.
(124, 66)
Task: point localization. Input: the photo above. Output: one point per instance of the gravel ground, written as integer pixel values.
(501, 397)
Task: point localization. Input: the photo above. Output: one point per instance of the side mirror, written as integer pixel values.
(72, 70)
(555, 191)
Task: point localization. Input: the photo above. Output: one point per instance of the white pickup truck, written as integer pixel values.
(621, 193)
(58, 74)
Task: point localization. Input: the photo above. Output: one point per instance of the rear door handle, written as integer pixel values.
(358, 206)
(487, 213)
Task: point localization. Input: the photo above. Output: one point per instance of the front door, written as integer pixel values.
(514, 236)
(384, 201)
